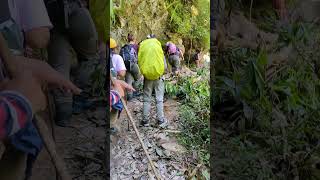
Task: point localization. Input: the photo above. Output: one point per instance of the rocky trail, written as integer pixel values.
(128, 160)
(82, 147)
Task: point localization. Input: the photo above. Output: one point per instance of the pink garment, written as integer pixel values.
(172, 49)
(15, 112)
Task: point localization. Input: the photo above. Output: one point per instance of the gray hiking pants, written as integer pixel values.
(148, 87)
(174, 61)
(131, 81)
(132, 77)
(62, 56)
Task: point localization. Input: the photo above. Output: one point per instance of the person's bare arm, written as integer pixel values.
(118, 90)
(41, 70)
(120, 86)
(46, 74)
(121, 74)
(38, 37)
(20, 98)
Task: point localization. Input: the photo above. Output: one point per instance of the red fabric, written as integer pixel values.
(21, 114)
(3, 121)
(7, 120)
(114, 98)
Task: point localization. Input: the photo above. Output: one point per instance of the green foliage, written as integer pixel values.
(191, 19)
(295, 33)
(268, 119)
(201, 31)
(112, 15)
(98, 81)
(179, 14)
(194, 94)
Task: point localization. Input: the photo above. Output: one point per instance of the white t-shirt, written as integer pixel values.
(118, 63)
(29, 14)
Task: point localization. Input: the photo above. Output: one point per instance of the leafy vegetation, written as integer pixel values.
(176, 20)
(190, 19)
(267, 114)
(112, 15)
(194, 94)
(98, 82)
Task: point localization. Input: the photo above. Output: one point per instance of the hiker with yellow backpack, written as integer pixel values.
(152, 65)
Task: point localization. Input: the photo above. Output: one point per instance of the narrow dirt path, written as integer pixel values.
(128, 160)
(80, 146)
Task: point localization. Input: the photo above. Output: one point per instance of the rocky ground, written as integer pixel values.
(82, 147)
(128, 160)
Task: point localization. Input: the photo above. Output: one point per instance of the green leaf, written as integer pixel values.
(206, 174)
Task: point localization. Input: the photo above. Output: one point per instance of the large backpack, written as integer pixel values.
(150, 59)
(129, 55)
(172, 49)
(72, 17)
(57, 12)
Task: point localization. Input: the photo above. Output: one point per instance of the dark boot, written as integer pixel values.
(63, 114)
(129, 96)
(163, 123)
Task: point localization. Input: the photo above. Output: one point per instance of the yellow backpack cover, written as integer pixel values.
(151, 59)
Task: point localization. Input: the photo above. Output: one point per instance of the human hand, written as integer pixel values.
(120, 86)
(29, 87)
(46, 74)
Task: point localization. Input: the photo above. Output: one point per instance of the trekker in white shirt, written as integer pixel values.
(117, 61)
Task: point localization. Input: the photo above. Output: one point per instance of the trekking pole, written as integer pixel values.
(50, 146)
(39, 122)
(139, 137)
(51, 110)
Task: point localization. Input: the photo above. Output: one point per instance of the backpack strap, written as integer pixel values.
(123, 51)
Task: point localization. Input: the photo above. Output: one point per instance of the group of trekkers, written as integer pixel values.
(146, 60)
(63, 33)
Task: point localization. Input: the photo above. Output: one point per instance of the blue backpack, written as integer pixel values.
(129, 55)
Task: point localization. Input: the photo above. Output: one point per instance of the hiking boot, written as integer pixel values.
(80, 105)
(136, 94)
(145, 123)
(129, 97)
(163, 123)
(63, 123)
(63, 115)
(63, 120)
